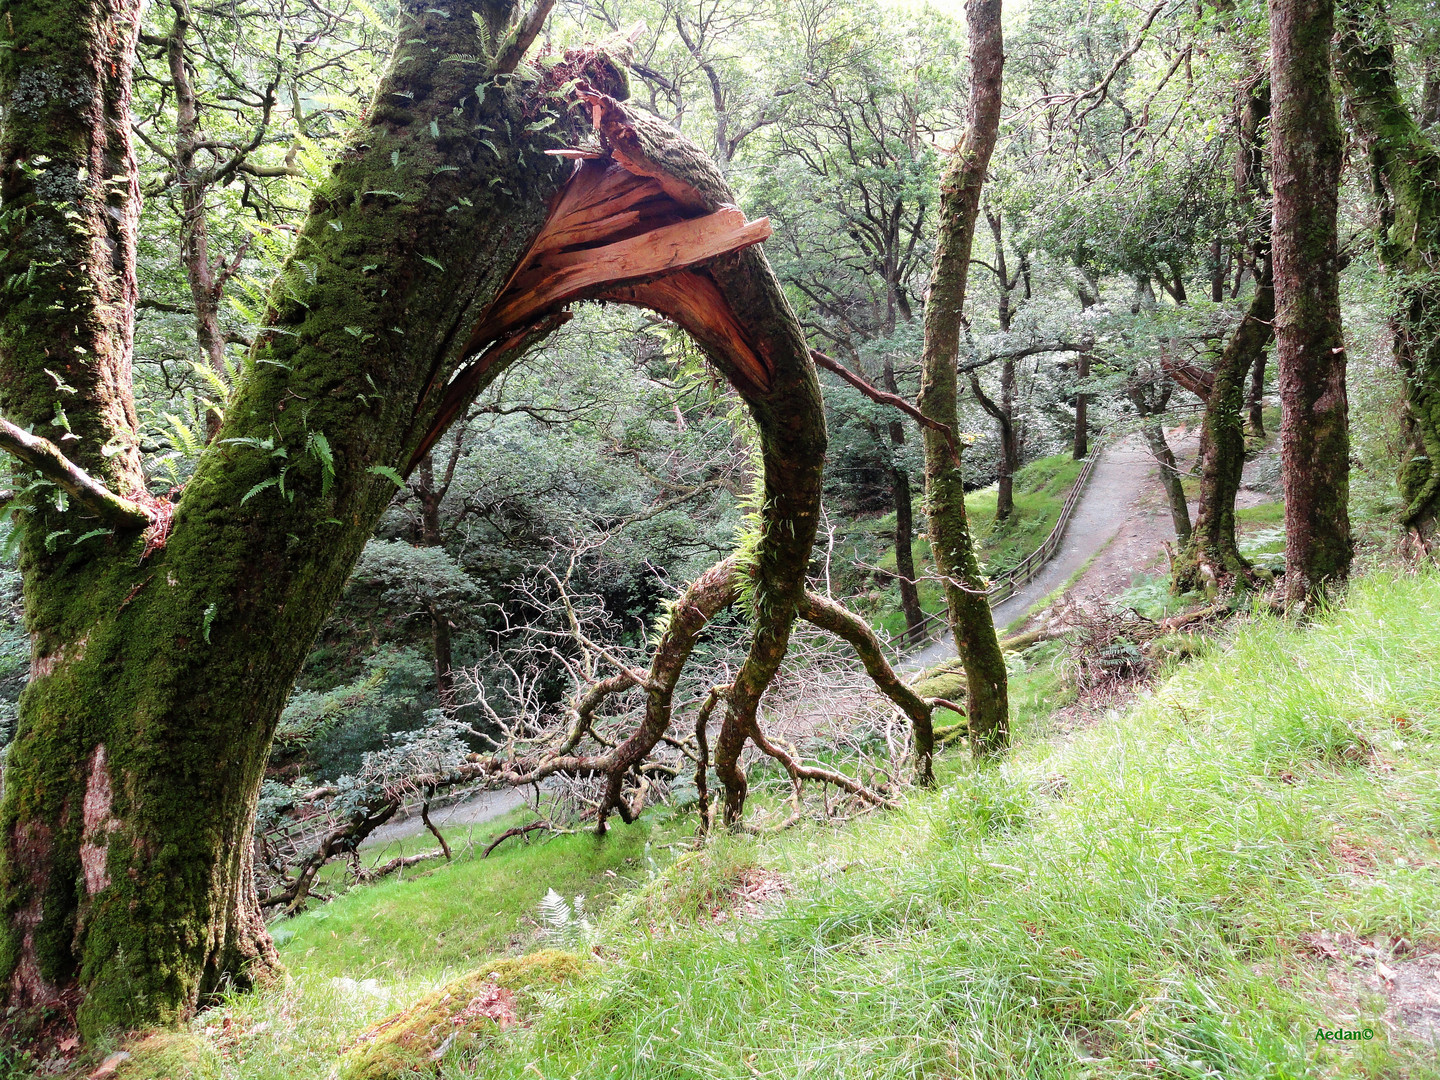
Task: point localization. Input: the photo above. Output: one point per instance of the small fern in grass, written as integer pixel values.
(566, 925)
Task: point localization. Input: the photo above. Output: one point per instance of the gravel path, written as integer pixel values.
(1119, 478)
(479, 808)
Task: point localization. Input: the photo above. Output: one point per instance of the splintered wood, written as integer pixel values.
(619, 231)
(611, 228)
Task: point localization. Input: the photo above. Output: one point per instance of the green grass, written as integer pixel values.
(1271, 513)
(450, 917)
(1040, 491)
(1128, 901)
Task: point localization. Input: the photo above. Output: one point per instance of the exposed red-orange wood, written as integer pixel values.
(557, 277)
(694, 301)
(462, 387)
(620, 229)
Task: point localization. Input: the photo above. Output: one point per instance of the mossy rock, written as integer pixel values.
(169, 1055)
(463, 1013)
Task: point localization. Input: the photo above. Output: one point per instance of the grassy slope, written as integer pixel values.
(1127, 902)
(1142, 921)
(410, 936)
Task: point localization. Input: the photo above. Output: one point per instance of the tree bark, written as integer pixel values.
(1086, 287)
(431, 496)
(1003, 413)
(1255, 402)
(1081, 446)
(1154, 435)
(1405, 178)
(969, 611)
(904, 522)
(1212, 556)
(161, 660)
(1310, 348)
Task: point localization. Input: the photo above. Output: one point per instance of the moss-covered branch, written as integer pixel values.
(853, 630)
(45, 458)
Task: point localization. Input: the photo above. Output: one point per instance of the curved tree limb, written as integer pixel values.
(852, 629)
(880, 397)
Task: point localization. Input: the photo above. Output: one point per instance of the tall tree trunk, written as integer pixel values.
(1212, 555)
(431, 496)
(1154, 434)
(162, 659)
(1405, 174)
(1310, 347)
(1255, 401)
(904, 521)
(970, 620)
(1081, 446)
(1088, 290)
(194, 185)
(1009, 444)
(1004, 412)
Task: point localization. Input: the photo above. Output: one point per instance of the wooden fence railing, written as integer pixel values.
(1004, 586)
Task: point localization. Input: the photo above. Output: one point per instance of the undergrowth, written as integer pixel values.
(1132, 900)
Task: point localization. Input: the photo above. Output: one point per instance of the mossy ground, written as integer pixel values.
(460, 1017)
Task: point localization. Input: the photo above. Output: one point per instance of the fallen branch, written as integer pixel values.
(519, 830)
(400, 862)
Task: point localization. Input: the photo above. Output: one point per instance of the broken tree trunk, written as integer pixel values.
(164, 650)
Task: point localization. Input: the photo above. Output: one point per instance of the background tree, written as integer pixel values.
(1309, 344)
(987, 700)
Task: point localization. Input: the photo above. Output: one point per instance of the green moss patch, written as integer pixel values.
(168, 1055)
(461, 1015)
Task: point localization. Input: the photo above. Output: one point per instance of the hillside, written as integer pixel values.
(1189, 885)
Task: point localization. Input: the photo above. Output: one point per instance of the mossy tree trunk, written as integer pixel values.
(904, 520)
(969, 610)
(1405, 178)
(1212, 557)
(1150, 401)
(1310, 347)
(161, 658)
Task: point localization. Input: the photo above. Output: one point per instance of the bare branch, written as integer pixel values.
(880, 397)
